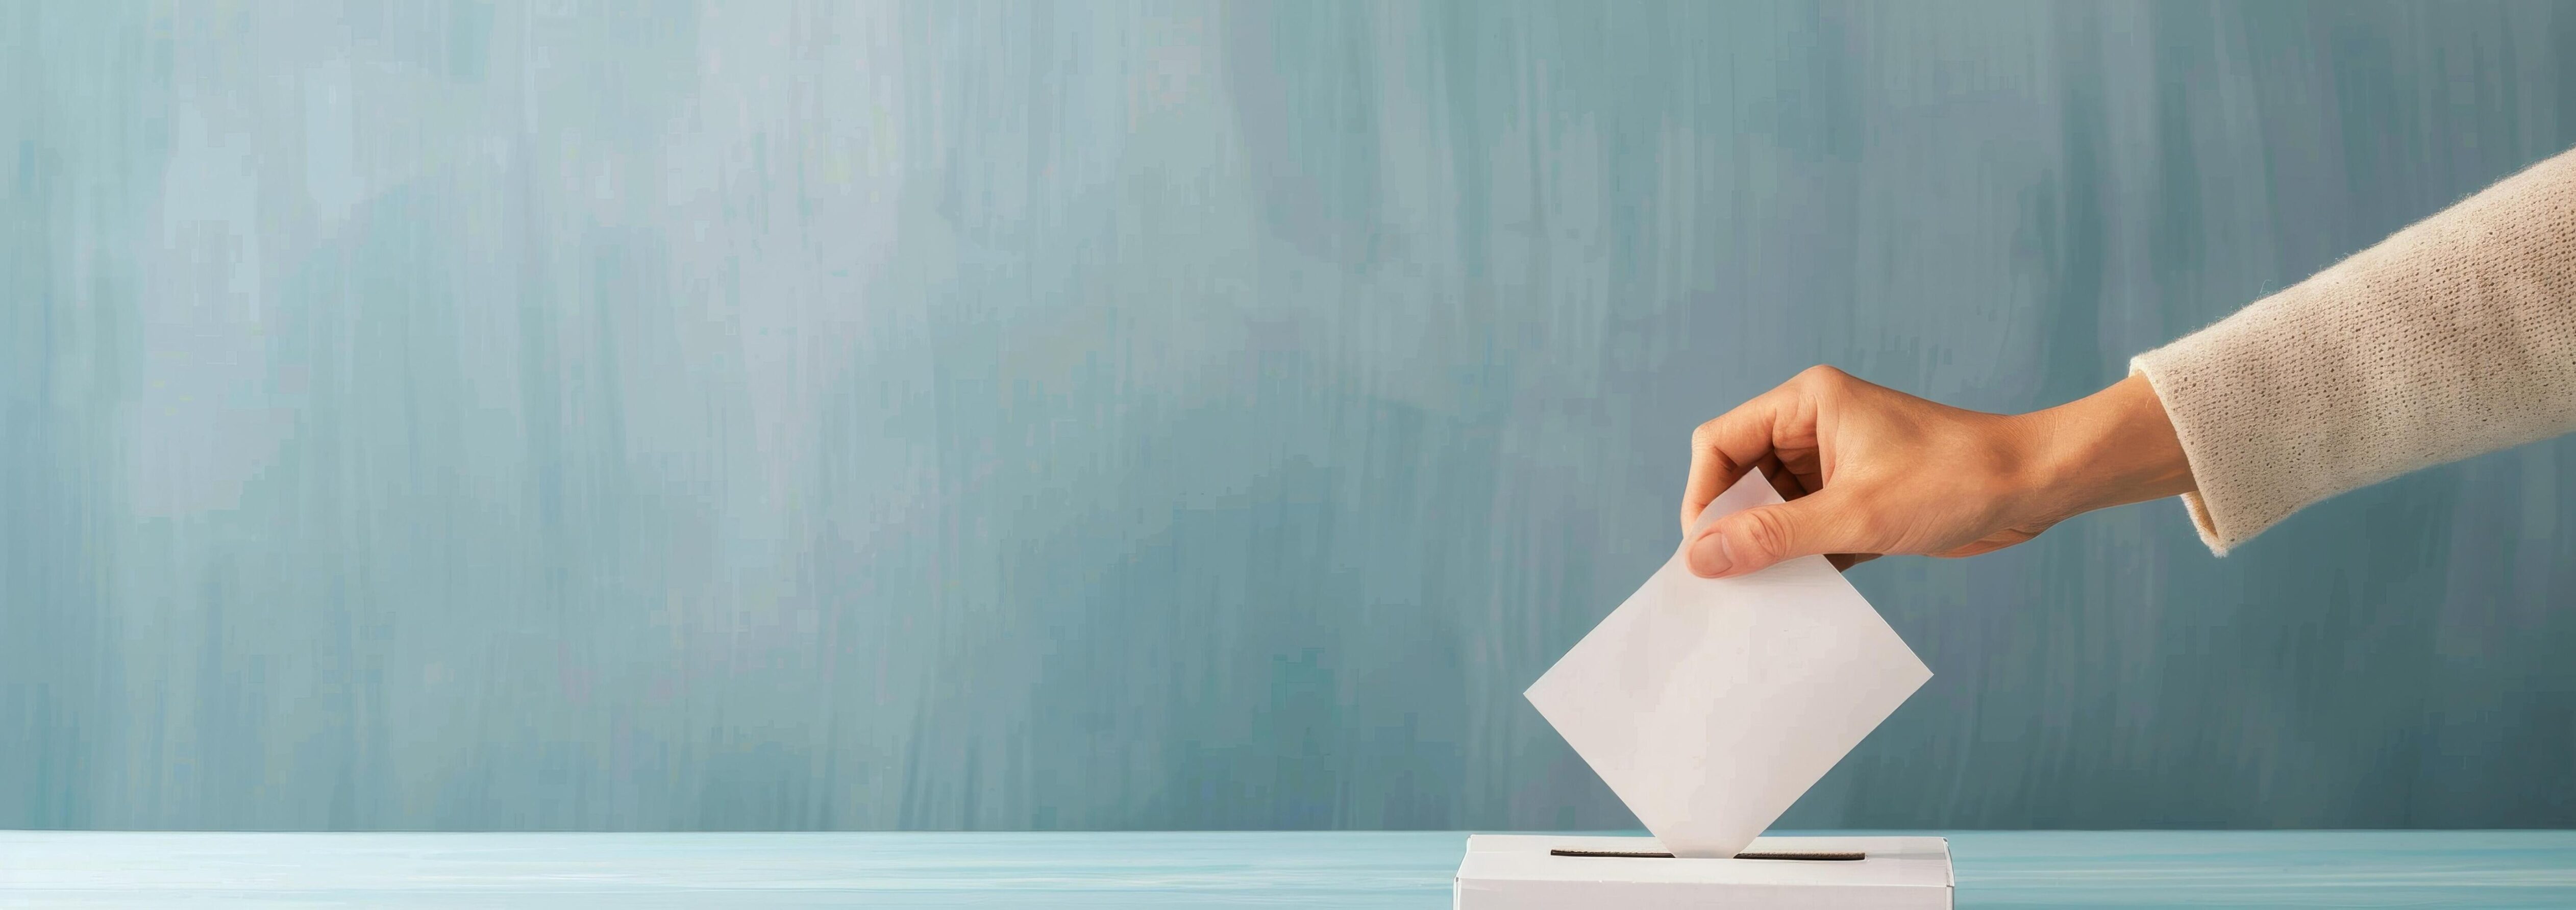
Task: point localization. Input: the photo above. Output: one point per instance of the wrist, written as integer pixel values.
(2110, 448)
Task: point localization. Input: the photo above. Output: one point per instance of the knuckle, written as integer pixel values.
(1763, 531)
(1823, 374)
(1822, 384)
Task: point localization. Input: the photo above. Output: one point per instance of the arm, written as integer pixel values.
(2455, 336)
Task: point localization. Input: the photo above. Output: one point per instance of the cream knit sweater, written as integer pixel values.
(2454, 337)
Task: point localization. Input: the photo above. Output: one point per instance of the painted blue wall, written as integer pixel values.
(1100, 415)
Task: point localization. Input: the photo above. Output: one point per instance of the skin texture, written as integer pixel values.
(1868, 470)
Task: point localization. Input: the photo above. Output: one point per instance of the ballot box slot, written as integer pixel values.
(1842, 856)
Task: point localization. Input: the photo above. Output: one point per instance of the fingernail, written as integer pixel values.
(1708, 556)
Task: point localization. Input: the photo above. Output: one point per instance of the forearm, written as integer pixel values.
(2454, 337)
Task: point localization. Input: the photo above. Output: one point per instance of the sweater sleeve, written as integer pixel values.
(2454, 337)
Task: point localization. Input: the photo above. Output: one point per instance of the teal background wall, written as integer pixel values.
(1104, 415)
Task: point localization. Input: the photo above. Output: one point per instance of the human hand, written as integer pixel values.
(1869, 470)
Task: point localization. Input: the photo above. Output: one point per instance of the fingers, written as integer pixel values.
(1758, 538)
(1724, 448)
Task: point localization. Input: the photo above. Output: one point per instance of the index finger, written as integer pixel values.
(1724, 448)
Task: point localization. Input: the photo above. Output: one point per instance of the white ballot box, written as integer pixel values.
(1709, 706)
(1526, 872)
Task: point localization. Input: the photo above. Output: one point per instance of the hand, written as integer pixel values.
(1870, 470)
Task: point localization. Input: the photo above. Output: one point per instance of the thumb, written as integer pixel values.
(1757, 538)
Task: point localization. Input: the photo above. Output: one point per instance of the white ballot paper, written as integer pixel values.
(1710, 705)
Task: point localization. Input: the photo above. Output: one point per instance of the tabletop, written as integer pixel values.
(1197, 869)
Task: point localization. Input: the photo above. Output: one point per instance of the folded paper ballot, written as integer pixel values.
(1710, 705)
(1527, 872)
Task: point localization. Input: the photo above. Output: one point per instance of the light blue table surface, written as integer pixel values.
(1322, 869)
